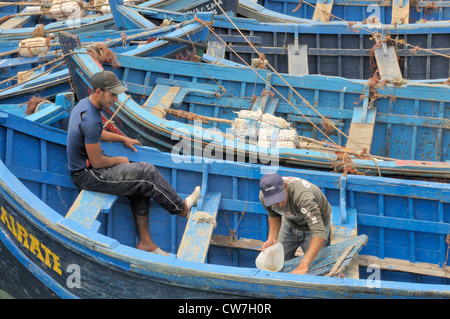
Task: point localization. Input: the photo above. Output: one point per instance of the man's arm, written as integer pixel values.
(274, 230)
(113, 137)
(98, 160)
(310, 255)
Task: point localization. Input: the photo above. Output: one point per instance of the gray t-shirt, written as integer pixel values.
(307, 208)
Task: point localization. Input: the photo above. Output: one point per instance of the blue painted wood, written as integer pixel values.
(88, 206)
(197, 236)
(333, 48)
(332, 97)
(35, 196)
(328, 257)
(359, 10)
(56, 82)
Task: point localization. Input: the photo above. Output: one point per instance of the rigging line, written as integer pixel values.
(301, 97)
(341, 148)
(258, 75)
(400, 41)
(200, 21)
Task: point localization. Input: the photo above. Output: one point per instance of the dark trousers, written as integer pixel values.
(140, 182)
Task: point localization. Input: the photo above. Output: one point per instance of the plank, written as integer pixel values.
(387, 62)
(328, 257)
(298, 59)
(88, 206)
(197, 236)
(400, 12)
(361, 129)
(322, 12)
(161, 99)
(341, 231)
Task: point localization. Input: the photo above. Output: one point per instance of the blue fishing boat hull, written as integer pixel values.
(361, 10)
(49, 85)
(62, 258)
(334, 49)
(149, 80)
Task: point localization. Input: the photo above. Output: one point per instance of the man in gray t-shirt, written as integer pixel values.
(299, 215)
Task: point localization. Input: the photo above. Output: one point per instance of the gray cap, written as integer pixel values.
(107, 80)
(273, 189)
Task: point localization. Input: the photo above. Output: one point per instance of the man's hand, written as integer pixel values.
(129, 142)
(268, 243)
(300, 270)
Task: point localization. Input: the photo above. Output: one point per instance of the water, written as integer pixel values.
(5, 295)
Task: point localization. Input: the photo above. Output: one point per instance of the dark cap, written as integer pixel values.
(273, 189)
(107, 80)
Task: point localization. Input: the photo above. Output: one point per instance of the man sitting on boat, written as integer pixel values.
(92, 170)
(299, 215)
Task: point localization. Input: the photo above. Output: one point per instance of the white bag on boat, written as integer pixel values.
(276, 138)
(64, 9)
(33, 46)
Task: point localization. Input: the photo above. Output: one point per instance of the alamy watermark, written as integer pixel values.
(217, 146)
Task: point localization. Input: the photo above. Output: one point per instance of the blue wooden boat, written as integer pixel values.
(117, 41)
(50, 84)
(405, 224)
(43, 111)
(335, 49)
(405, 130)
(85, 24)
(385, 11)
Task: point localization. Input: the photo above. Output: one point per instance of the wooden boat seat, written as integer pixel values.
(322, 12)
(197, 235)
(338, 256)
(362, 126)
(172, 92)
(88, 206)
(400, 12)
(387, 62)
(298, 59)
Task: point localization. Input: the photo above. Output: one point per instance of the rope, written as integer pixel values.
(301, 97)
(350, 24)
(114, 115)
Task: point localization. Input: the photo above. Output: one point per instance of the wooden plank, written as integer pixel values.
(340, 232)
(322, 12)
(216, 49)
(387, 62)
(161, 99)
(298, 59)
(266, 104)
(404, 266)
(88, 206)
(400, 12)
(328, 257)
(361, 128)
(360, 135)
(197, 236)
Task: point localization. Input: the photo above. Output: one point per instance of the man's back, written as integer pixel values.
(85, 126)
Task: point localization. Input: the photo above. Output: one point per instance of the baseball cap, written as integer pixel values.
(273, 189)
(107, 80)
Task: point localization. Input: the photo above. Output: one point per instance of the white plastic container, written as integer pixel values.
(271, 259)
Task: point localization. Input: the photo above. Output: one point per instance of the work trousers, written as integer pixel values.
(139, 181)
(291, 238)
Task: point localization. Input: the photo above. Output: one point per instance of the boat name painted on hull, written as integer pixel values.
(30, 242)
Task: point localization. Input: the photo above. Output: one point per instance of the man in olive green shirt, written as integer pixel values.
(299, 215)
